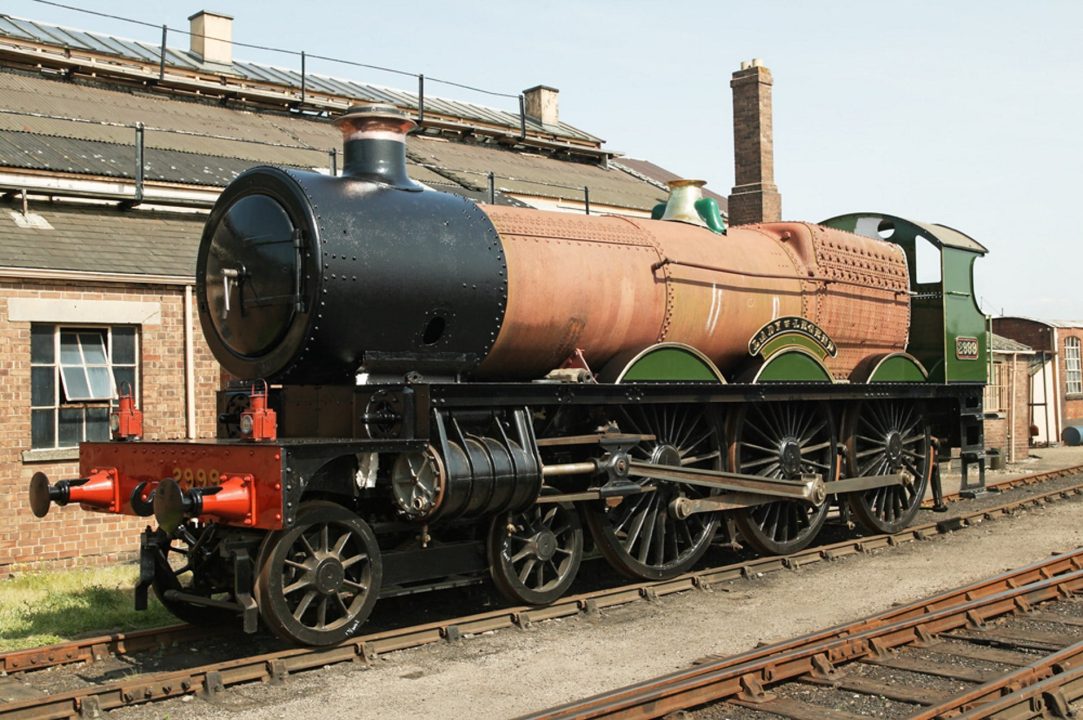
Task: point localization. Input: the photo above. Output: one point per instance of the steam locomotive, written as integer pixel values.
(436, 391)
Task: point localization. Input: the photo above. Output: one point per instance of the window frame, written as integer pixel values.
(1073, 366)
(60, 402)
(996, 390)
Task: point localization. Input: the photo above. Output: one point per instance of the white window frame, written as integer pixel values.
(1073, 370)
(60, 400)
(996, 400)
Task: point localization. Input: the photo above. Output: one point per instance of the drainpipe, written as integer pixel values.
(1011, 410)
(1057, 410)
(189, 366)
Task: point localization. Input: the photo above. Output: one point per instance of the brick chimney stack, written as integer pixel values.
(755, 196)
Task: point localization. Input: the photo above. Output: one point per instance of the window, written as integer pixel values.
(996, 392)
(1074, 371)
(75, 373)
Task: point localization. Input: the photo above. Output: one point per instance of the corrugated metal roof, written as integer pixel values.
(662, 176)
(193, 121)
(527, 174)
(98, 146)
(104, 239)
(45, 33)
(1001, 344)
(91, 157)
(101, 239)
(1074, 324)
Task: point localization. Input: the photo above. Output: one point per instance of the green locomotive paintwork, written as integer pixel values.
(897, 368)
(945, 321)
(670, 363)
(793, 365)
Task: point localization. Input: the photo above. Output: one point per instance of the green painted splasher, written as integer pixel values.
(707, 208)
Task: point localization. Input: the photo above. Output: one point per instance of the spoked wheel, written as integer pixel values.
(784, 441)
(319, 579)
(641, 536)
(187, 563)
(534, 555)
(882, 438)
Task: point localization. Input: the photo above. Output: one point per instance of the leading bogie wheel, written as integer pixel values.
(782, 441)
(534, 555)
(640, 535)
(885, 437)
(186, 563)
(319, 579)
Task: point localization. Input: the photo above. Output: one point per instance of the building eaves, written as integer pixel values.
(99, 239)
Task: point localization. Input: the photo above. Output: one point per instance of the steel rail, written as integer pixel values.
(1051, 697)
(747, 674)
(1014, 482)
(275, 666)
(95, 648)
(1042, 678)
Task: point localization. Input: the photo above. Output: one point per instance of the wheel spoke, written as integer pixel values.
(351, 561)
(713, 455)
(303, 606)
(340, 544)
(293, 587)
(528, 566)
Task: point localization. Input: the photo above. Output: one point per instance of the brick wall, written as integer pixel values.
(1073, 404)
(70, 535)
(1010, 429)
(755, 197)
(1040, 336)
(1029, 332)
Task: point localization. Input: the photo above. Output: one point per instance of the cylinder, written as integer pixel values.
(1072, 435)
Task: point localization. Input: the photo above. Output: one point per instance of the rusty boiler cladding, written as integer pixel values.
(305, 278)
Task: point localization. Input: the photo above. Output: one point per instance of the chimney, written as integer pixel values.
(212, 37)
(755, 196)
(541, 104)
(374, 145)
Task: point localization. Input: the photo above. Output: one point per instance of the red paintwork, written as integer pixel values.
(235, 502)
(130, 419)
(196, 464)
(99, 492)
(264, 420)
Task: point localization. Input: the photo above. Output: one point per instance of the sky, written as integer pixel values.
(965, 113)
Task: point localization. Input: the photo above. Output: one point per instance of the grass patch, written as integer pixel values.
(51, 607)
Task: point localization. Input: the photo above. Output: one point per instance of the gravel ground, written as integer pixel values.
(514, 672)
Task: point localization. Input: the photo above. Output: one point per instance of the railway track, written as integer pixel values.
(1007, 647)
(212, 678)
